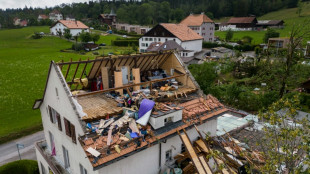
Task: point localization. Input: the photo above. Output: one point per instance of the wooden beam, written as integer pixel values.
(98, 67)
(81, 75)
(164, 60)
(76, 69)
(125, 62)
(150, 65)
(128, 86)
(68, 69)
(149, 60)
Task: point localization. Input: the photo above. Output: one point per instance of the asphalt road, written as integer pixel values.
(8, 151)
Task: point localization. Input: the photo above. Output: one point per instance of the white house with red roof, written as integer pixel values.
(55, 15)
(202, 25)
(75, 27)
(181, 34)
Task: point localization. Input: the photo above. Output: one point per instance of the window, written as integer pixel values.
(52, 141)
(146, 39)
(173, 39)
(66, 157)
(143, 44)
(203, 28)
(168, 155)
(210, 34)
(146, 44)
(166, 39)
(70, 130)
(82, 170)
(151, 39)
(158, 39)
(168, 119)
(142, 39)
(42, 168)
(53, 114)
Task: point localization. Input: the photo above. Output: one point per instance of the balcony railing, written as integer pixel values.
(52, 162)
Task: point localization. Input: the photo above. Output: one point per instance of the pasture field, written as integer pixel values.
(289, 16)
(24, 64)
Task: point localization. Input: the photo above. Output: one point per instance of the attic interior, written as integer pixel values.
(127, 101)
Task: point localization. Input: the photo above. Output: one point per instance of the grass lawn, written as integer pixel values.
(288, 15)
(24, 64)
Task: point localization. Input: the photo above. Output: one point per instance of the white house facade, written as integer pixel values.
(202, 25)
(55, 16)
(181, 34)
(75, 27)
(72, 120)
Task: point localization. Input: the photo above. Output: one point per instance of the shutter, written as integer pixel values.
(59, 122)
(73, 133)
(67, 127)
(51, 114)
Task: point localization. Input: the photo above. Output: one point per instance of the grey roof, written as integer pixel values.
(168, 45)
(300, 114)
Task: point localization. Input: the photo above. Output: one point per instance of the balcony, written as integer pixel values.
(54, 165)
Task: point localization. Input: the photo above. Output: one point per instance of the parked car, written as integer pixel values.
(124, 36)
(42, 33)
(102, 44)
(110, 53)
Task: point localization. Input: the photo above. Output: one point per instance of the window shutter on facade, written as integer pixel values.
(73, 133)
(67, 127)
(59, 122)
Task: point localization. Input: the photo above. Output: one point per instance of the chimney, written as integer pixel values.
(202, 13)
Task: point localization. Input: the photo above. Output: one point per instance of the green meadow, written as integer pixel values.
(289, 16)
(24, 64)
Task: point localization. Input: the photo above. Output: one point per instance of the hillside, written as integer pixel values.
(289, 16)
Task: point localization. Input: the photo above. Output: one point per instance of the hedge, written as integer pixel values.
(124, 43)
(245, 47)
(20, 167)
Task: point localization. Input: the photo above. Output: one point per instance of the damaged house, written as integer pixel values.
(121, 114)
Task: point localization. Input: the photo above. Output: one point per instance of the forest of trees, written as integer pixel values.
(150, 12)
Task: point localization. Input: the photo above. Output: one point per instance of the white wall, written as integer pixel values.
(62, 105)
(194, 45)
(158, 122)
(61, 27)
(208, 30)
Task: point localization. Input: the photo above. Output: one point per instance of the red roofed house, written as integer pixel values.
(42, 17)
(180, 33)
(201, 24)
(240, 24)
(76, 27)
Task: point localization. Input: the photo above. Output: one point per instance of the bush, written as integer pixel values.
(124, 43)
(36, 36)
(77, 46)
(21, 166)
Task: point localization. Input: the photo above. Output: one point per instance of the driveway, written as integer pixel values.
(8, 151)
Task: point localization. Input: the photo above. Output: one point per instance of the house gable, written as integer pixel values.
(159, 31)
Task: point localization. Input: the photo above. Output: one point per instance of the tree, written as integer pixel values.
(229, 35)
(95, 37)
(67, 34)
(59, 33)
(270, 34)
(285, 142)
(85, 37)
(294, 54)
(299, 8)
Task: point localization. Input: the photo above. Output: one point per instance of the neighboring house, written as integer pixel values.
(87, 132)
(132, 28)
(278, 42)
(16, 21)
(202, 25)
(23, 23)
(55, 15)
(270, 24)
(75, 27)
(180, 33)
(70, 18)
(239, 24)
(108, 19)
(170, 45)
(42, 17)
